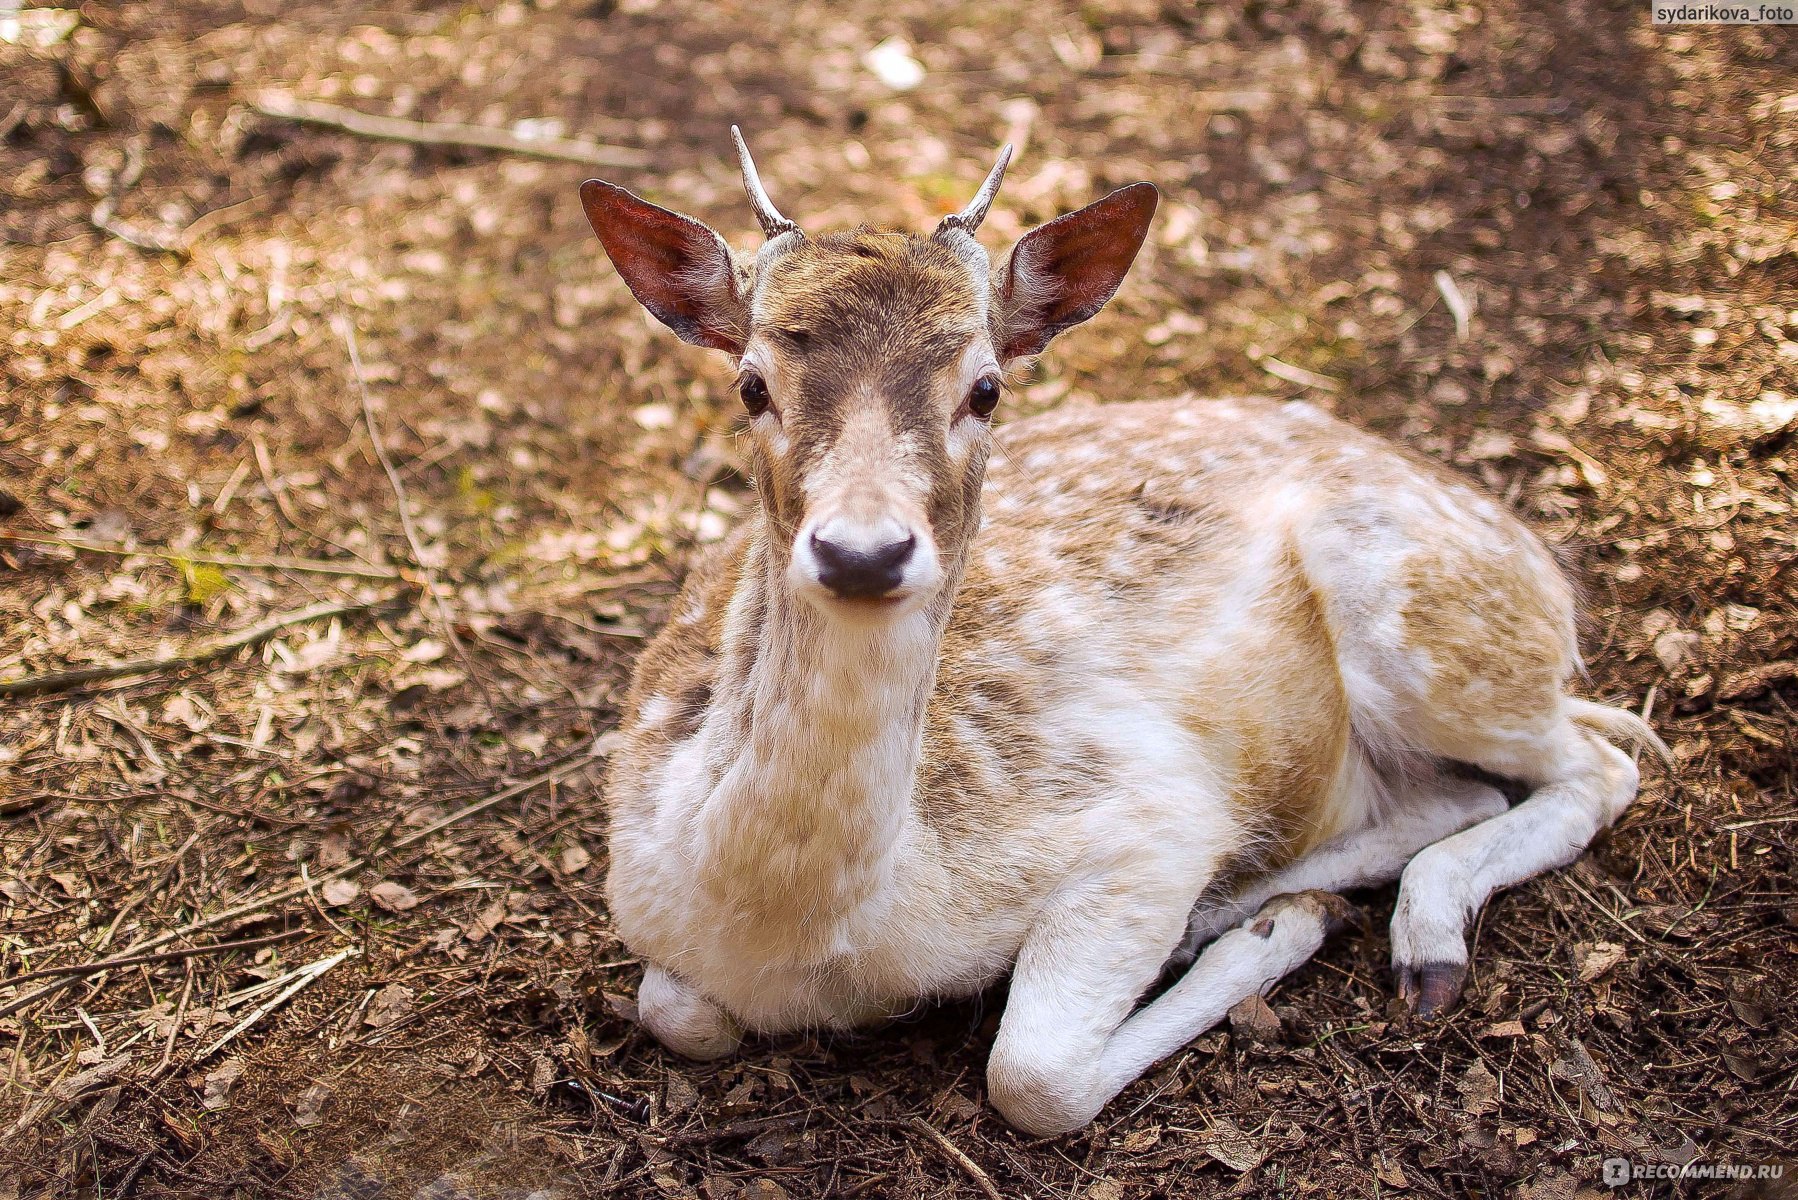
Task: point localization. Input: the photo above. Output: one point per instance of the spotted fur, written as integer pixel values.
(1147, 656)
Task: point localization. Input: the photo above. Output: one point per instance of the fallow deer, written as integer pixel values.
(1156, 668)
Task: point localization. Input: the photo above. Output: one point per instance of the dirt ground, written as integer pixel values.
(1543, 242)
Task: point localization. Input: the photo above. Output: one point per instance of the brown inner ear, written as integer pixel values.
(675, 266)
(1062, 273)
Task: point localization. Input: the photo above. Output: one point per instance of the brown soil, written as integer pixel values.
(1615, 200)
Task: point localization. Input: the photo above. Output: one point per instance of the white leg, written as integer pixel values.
(1434, 809)
(1065, 1047)
(1589, 784)
(1248, 960)
(683, 1020)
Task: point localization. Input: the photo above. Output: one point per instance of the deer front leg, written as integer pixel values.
(682, 1019)
(1068, 1042)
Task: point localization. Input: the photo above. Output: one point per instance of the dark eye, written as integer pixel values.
(754, 390)
(983, 397)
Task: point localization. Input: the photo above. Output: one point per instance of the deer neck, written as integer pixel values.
(812, 745)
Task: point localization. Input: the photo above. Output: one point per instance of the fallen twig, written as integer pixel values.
(132, 960)
(304, 976)
(731, 1130)
(288, 893)
(105, 214)
(429, 133)
(59, 681)
(974, 1170)
(1459, 306)
(1298, 375)
(445, 623)
(66, 1092)
(1753, 681)
(168, 1045)
(316, 566)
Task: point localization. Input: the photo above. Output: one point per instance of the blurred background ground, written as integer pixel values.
(1543, 242)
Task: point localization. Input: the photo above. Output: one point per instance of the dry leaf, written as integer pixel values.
(333, 851)
(1675, 648)
(218, 1084)
(1228, 1144)
(680, 1096)
(575, 859)
(183, 710)
(487, 920)
(339, 892)
(1253, 1019)
(892, 63)
(427, 650)
(308, 1110)
(1479, 1090)
(1489, 445)
(1597, 958)
(1749, 1008)
(1743, 1067)
(394, 897)
(390, 1004)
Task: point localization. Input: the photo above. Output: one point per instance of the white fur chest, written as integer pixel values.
(780, 957)
(772, 907)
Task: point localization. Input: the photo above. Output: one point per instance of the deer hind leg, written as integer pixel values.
(1423, 811)
(1455, 636)
(1068, 1042)
(1582, 784)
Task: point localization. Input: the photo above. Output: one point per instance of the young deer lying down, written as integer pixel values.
(1157, 668)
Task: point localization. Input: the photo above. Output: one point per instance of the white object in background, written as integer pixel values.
(893, 64)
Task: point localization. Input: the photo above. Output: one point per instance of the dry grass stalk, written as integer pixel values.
(273, 898)
(429, 133)
(974, 1170)
(296, 980)
(264, 562)
(62, 681)
(445, 623)
(133, 960)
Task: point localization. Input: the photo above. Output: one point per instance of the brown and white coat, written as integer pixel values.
(1156, 668)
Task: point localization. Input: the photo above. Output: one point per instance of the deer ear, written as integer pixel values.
(1062, 273)
(676, 267)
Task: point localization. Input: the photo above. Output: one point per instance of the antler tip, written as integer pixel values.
(766, 215)
(968, 219)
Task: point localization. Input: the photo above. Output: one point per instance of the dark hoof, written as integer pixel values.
(1429, 989)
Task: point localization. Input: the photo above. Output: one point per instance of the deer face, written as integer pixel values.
(869, 364)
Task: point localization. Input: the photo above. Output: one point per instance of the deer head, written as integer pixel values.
(870, 364)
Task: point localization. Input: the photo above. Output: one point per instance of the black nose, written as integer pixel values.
(861, 574)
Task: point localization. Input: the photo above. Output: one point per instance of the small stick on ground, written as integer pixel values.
(62, 681)
(288, 893)
(168, 1047)
(316, 566)
(277, 491)
(132, 960)
(731, 1130)
(404, 504)
(974, 1170)
(429, 133)
(304, 976)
